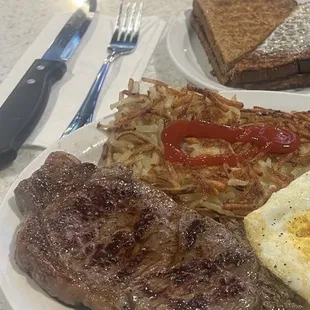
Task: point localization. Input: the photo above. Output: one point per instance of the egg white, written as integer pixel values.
(279, 232)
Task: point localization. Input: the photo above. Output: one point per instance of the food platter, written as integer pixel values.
(189, 57)
(86, 144)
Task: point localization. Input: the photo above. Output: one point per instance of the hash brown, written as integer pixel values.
(135, 141)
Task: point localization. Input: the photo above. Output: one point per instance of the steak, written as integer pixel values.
(61, 174)
(99, 237)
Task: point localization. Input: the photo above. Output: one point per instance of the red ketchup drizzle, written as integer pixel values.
(269, 139)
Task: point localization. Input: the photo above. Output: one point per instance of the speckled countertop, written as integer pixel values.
(18, 30)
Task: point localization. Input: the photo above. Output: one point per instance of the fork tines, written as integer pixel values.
(128, 22)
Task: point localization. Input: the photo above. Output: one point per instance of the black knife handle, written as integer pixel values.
(25, 105)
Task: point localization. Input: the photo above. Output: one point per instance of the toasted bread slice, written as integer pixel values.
(275, 72)
(235, 28)
(251, 48)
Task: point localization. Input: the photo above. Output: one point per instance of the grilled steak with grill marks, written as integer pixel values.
(109, 241)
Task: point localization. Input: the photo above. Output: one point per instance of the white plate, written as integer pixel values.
(190, 58)
(21, 292)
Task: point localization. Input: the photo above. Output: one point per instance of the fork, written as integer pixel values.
(124, 41)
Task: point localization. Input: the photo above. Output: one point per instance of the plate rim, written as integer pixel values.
(60, 145)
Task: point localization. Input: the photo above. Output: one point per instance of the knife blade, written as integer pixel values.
(24, 107)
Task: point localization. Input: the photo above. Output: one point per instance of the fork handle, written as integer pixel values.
(86, 111)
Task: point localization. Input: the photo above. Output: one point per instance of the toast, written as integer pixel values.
(263, 49)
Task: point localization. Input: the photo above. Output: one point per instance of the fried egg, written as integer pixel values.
(279, 233)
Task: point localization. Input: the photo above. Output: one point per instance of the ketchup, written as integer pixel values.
(268, 138)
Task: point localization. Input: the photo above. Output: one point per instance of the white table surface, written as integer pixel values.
(22, 20)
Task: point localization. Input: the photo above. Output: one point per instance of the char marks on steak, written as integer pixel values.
(109, 241)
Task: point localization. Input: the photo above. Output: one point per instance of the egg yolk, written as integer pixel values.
(299, 228)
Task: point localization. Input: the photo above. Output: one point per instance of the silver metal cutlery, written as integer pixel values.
(124, 41)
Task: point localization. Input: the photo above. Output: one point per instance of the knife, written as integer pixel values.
(25, 105)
